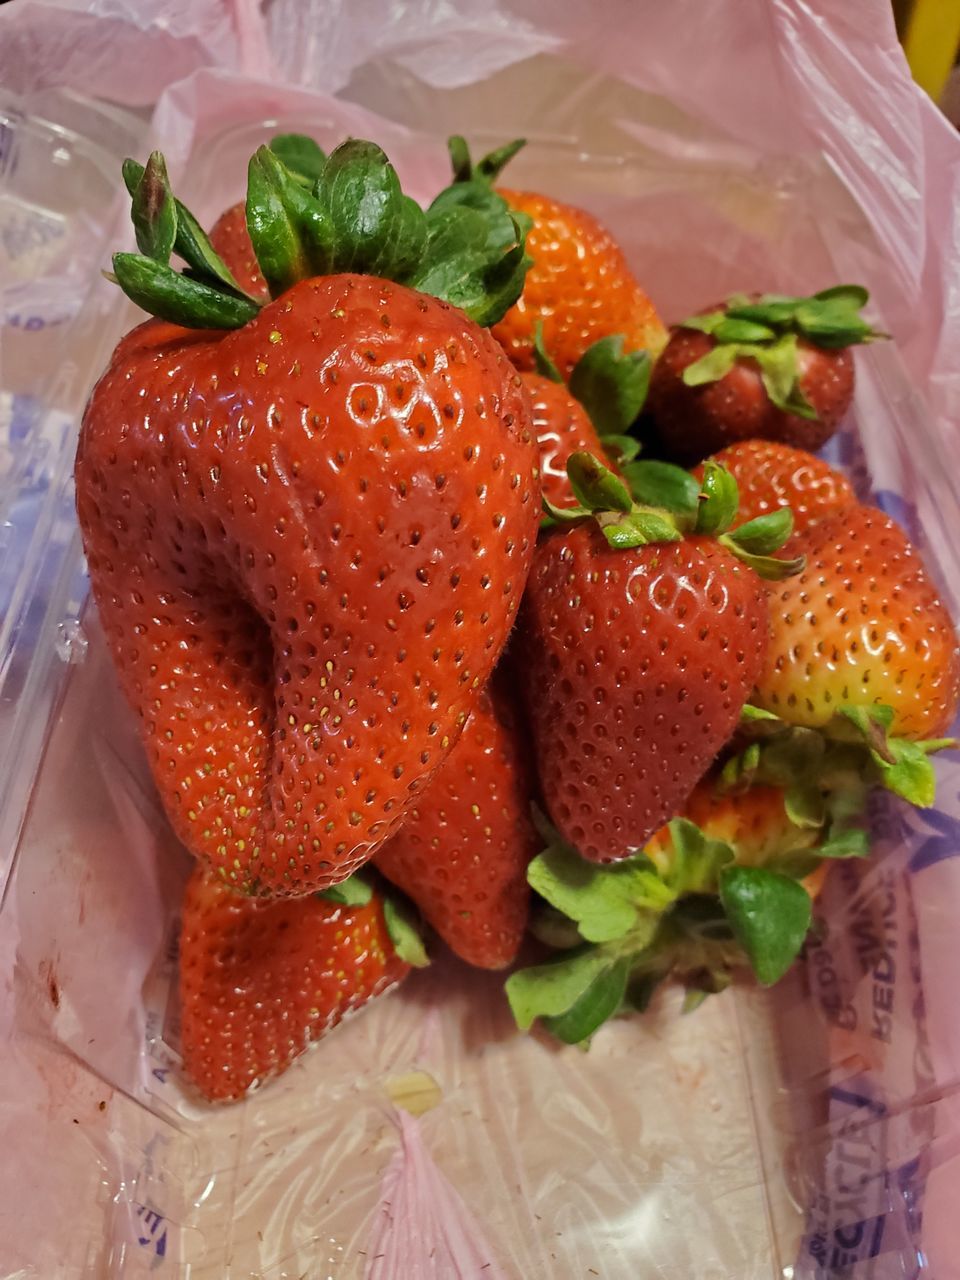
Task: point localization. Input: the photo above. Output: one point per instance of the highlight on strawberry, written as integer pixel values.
(765, 367)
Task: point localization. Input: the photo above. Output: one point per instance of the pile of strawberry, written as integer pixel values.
(359, 441)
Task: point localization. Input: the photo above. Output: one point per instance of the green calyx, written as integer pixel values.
(400, 920)
(686, 909)
(767, 331)
(827, 774)
(610, 383)
(675, 505)
(485, 171)
(309, 215)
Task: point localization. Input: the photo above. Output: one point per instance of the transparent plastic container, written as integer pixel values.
(792, 1133)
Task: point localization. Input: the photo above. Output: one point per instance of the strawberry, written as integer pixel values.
(463, 851)
(231, 240)
(260, 980)
(562, 428)
(639, 648)
(862, 626)
(579, 287)
(770, 475)
(771, 368)
(308, 524)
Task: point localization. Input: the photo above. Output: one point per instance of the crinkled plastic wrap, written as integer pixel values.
(809, 1132)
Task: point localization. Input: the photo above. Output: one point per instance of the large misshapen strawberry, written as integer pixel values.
(579, 288)
(261, 980)
(768, 367)
(642, 635)
(462, 853)
(307, 535)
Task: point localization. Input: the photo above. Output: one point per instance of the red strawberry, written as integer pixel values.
(260, 980)
(231, 239)
(637, 660)
(768, 368)
(771, 475)
(580, 286)
(463, 851)
(307, 539)
(563, 427)
(863, 626)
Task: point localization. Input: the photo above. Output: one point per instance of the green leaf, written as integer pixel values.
(541, 358)
(352, 892)
(772, 309)
(553, 928)
(769, 914)
(300, 154)
(611, 385)
(601, 1000)
(172, 296)
(910, 774)
(595, 486)
(770, 568)
(661, 484)
(737, 329)
(832, 327)
(493, 163)
(739, 771)
(377, 230)
(461, 265)
(805, 805)
(780, 373)
(621, 449)
(713, 366)
(705, 323)
(764, 534)
(460, 161)
(853, 296)
(695, 860)
(485, 171)
(551, 989)
(719, 499)
(561, 515)
(154, 211)
(638, 528)
(278, 209)
(606, 901)
(845, 842)
(404, 934)
(749, 714)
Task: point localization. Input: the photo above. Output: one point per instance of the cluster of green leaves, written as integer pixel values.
(309, 214)
(767, 330)
(664, 502)
(620, 928)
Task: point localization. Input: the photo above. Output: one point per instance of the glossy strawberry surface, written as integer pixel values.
(307, 539)
(693, 422)
(580, 286)
(636, 665)
(462, 853)
(771, 475)
(863, 624)
(563, 427)
(261, 979)
(231, 239)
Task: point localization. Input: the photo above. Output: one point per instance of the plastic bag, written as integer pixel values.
(815, 1130)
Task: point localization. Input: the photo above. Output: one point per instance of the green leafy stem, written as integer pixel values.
(309, 214)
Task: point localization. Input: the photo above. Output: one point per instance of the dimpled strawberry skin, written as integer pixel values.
(562, 428)
(637, 664)
(307, 539)
(463, 852)
(580, 286)
(260, 980)
(862, 624)
(771, 475)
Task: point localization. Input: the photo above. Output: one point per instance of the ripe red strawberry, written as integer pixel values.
(766, 368)
(563, 427)
(260, 980)
(638, 655)
(231, 239)
(463, 851)
(771, 475)
(307, 538)
(580, 286)
(862, 625)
